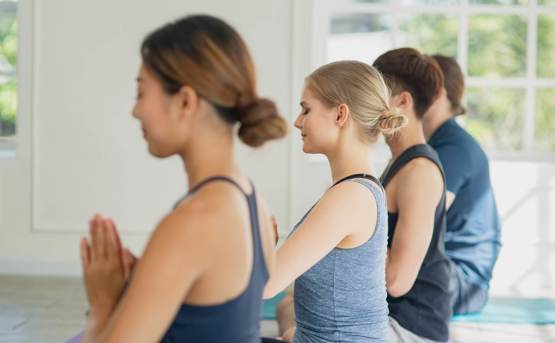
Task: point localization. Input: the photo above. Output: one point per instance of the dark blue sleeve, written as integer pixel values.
(457, 165)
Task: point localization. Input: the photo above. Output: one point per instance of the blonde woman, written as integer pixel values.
(336, 254)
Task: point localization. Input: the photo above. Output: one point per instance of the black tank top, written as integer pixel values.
(234, 321)
(425, 310)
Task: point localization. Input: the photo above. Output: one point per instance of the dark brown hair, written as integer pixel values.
(453, 81)
(207, 54)
(406, 69)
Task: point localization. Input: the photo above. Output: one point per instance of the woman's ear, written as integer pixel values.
(186, 101)
(342, 115)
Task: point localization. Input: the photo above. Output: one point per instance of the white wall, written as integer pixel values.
(78, 63)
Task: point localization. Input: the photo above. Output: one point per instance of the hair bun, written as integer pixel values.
(390, 121)
(260, 122)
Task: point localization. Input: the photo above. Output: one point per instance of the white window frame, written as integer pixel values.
(324, 9)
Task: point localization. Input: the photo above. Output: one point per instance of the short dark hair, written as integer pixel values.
(406, 69)
(453, 81)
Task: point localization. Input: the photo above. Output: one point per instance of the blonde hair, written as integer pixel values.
(362, 88)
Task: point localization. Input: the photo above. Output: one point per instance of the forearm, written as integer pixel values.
(96, 323)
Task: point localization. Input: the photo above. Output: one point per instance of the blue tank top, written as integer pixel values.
(342, 298)
(425, 310)
(237, 320)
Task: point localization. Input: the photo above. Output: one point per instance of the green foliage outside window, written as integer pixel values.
(8, 61)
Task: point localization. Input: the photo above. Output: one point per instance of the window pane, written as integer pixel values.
(430, 2)
(374, 1)
(545, 120)
(366, 36)
(8, 59)
(546, 46)
(340, 2)
(495, 117)
(500, 2)
(497, 45)
(546, 2)
(8, 106)
(430, 33)
(362, 37)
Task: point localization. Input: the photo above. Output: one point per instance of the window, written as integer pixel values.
(505, 47)
(8, 61)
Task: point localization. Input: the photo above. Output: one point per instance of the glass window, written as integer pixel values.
(495, 117)
(545, 120)
(546, 46)
(497, 46)
(430, 33)
(495, 58)
(359, 36)
(499, 2)
(8, 61)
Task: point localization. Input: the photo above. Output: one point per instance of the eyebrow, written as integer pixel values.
(139, 79)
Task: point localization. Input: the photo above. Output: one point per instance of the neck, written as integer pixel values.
(349, 159)
(200, 165)
(432, 121)
(409, 136)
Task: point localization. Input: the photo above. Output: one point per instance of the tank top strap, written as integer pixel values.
(216, 178)
(206, 181)
(350, 177)
(416, 151)
(257, 246)
(360, 176)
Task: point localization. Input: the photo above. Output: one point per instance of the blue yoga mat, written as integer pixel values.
(513, 311)
(498, 310)
(269, 306)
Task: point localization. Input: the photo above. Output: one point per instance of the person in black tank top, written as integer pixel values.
(418, 270)
(203, 272)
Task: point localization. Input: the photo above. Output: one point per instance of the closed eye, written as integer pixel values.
(304, 108)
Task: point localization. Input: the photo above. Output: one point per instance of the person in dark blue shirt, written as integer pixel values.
(472, 239)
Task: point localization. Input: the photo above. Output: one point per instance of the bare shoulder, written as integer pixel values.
(210, 208)
(421, 170)
(211, 201)
(348, 196)
(421, 180)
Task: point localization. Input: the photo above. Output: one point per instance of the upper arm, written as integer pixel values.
(173, 260)
(322, 230)
(418, 193)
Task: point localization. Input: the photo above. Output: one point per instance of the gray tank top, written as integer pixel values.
(342, 298)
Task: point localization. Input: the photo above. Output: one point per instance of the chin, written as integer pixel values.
(159, 153)
(307, 149)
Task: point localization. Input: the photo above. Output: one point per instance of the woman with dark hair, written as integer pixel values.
(473, 236)
(417, 270)
(203, 272)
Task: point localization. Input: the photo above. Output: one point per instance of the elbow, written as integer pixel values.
(397, 291)
(397, 287)
(269, 292)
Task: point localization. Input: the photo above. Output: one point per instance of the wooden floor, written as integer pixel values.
(52, 310)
